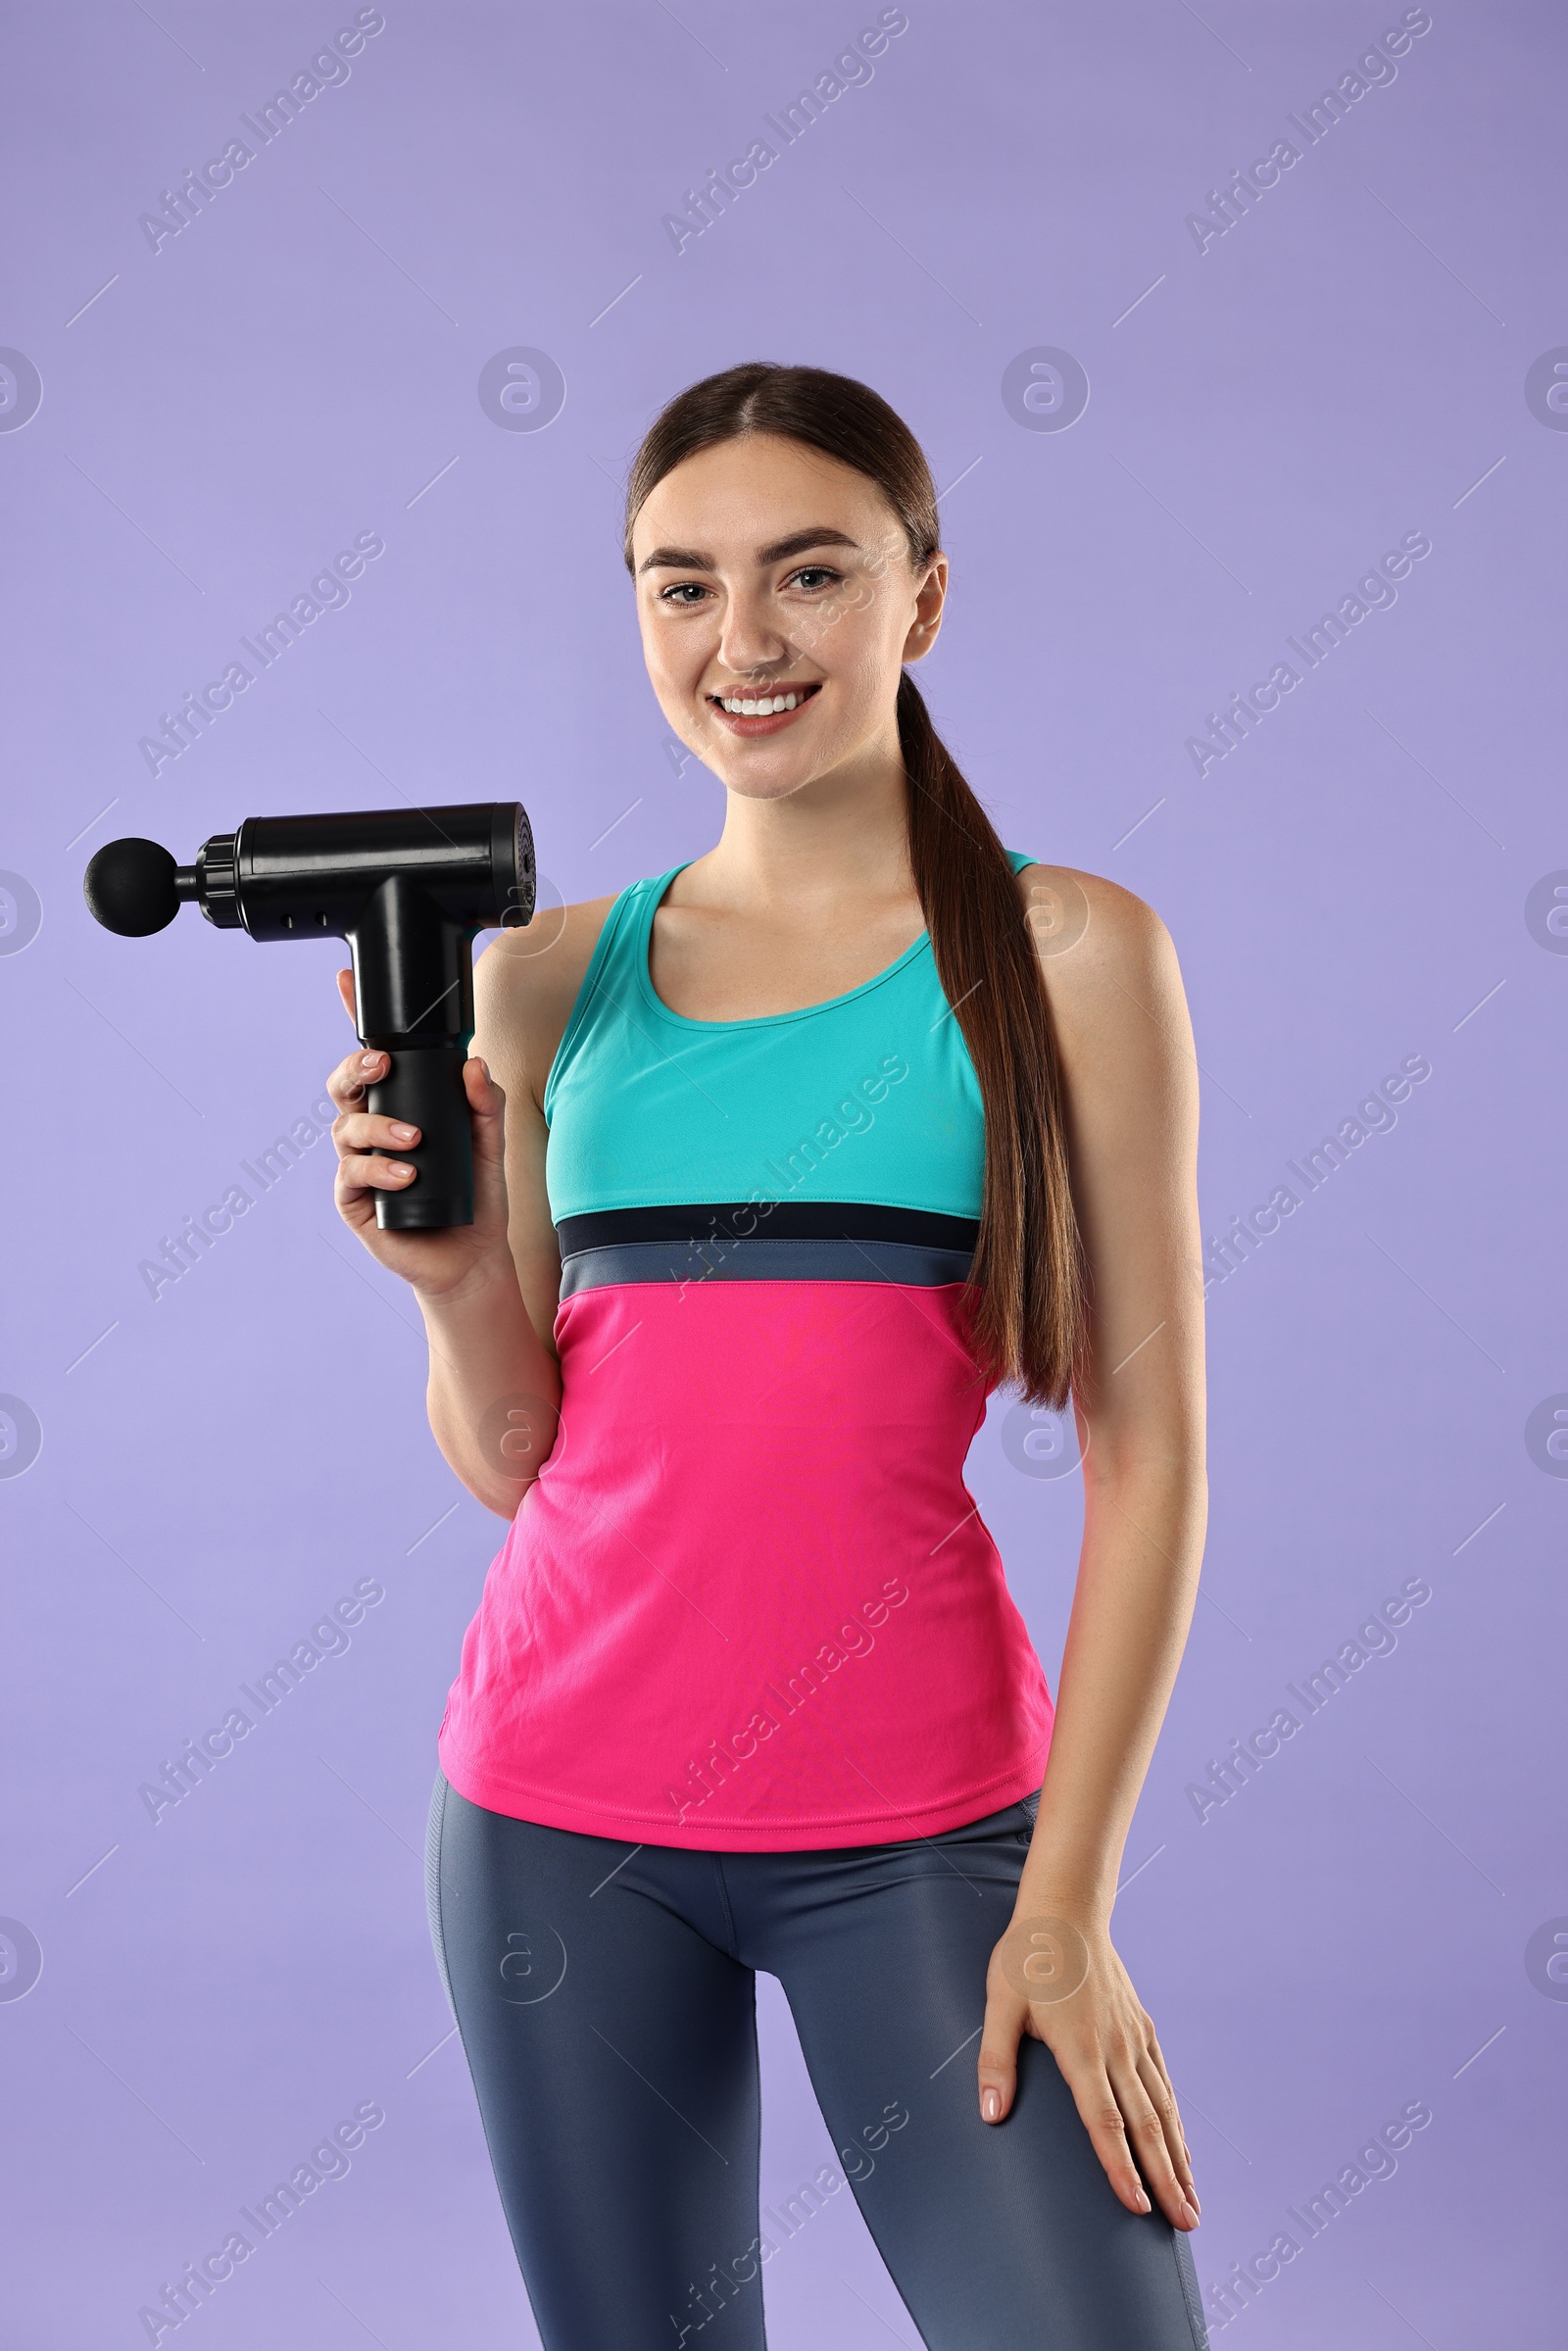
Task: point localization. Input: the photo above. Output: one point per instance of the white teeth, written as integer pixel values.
(762, 707)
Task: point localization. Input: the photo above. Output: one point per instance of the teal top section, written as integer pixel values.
(870, 1097)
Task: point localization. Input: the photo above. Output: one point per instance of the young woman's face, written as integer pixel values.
(766, 569)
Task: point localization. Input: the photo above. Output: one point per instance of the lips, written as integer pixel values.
(770, 721)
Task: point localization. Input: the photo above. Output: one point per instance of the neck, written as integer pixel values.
(840, 841)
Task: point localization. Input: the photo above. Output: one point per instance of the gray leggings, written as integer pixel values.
(605, 1996)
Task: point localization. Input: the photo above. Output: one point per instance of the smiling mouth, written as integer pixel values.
(764, 705)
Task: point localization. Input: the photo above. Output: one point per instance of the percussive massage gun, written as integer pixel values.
(407, 889)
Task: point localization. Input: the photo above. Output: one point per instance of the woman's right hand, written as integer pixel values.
(437, 1264)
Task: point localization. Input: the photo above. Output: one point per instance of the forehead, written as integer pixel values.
(741, 495)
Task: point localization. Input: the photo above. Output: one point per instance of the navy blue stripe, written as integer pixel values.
(770, 1220)
(713, 1260)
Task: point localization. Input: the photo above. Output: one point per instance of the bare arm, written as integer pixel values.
(1125, 1038)
(494, 1392)
(1132, 1093)
(488, 1291)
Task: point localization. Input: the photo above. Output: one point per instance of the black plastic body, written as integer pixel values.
(407, 889)
(425, 1087)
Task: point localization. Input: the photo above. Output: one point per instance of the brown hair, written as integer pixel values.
(1028, 1282)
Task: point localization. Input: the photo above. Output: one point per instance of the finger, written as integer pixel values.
(1145, 2134)
(368, 1130)
(487, 1103)
(1158, 2055)
(1162, 2099)
(1159, 2084)
(353, 1197)
(358, 1171)
(346, 1083)
(1099, 2111)
(487, 1100)
(997, 2067)
(345, 989)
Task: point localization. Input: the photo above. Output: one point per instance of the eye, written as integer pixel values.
(811, 573)
(683, 593)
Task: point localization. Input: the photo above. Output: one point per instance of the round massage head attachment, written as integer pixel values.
(129, 887)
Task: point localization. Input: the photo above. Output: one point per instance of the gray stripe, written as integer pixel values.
(754, 1260)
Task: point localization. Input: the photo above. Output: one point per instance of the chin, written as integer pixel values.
(757, 787)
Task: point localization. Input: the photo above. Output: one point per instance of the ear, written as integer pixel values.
(930, 599)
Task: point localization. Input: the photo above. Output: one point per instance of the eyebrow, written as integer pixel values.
(688, 559)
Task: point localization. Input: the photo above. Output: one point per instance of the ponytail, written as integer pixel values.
(1028, 1280)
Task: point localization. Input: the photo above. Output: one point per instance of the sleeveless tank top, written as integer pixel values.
(749, 1604)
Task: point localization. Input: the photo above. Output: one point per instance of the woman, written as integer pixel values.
(784, 1160)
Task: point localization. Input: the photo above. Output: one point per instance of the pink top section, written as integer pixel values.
(750, 1604)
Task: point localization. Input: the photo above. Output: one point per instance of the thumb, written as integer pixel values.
(484, 1095)
(488, 1104)
(492, 1210)
(997, 2068)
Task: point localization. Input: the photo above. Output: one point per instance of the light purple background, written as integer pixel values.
(1348, 888)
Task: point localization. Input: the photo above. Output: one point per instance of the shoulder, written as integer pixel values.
(1086, 924)
(1112, 979)
(525, 983)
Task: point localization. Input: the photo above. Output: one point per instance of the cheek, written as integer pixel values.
(675, 651)
(853, 640)
(860, 663)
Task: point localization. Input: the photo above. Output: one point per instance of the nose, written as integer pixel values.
(750, 641)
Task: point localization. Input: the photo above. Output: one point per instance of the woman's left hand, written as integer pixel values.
(1059, 1980)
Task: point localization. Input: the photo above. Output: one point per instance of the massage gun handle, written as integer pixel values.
(424, 1086)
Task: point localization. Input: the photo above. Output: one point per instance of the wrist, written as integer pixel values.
(1050, 1888)
(490, 1278)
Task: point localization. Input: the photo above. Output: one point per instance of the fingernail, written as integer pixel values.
(1142, 2202)
(1189, 2206)
(368, 1060)
(401, 1133)
(1191, 2198)
(990, 2104)
(398, 1170)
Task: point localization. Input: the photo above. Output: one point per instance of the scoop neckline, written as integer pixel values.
(654, 899)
